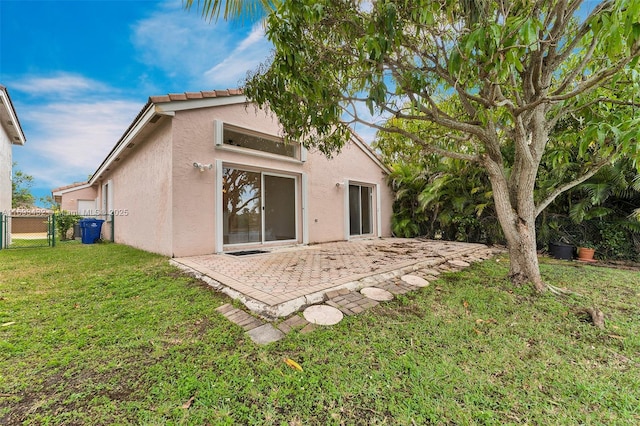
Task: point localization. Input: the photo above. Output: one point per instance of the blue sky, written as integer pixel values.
(79, 71)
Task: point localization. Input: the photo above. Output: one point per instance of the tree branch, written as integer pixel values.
(578, 69)
(545, 203)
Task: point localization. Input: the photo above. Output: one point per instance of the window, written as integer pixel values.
(257, 207)
(360, 210)
(255, 141)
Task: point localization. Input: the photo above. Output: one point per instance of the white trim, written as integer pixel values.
(220, 166)
(296, 206)
(13, 117)
(303, 153)
(376, 222)
(259, 154)
(297, 158)
(378, 210)
(347, 221)
(219, 243)
(110, 199)
(124, 141)
(75, 188)
(305, 208)
(181, 105)
(218, 132)
(107, 198)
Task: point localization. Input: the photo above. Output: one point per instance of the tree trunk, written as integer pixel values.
(517, 219)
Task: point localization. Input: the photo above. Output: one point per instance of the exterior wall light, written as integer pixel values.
(203, 167)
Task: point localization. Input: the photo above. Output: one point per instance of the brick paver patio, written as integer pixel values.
(280, 282)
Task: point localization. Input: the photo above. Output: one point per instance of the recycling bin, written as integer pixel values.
(90, 230)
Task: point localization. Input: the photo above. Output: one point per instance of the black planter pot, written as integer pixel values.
(561, 251)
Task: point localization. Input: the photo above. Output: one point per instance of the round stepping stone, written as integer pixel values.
(322, 315)
(377, 294)
(415, 280)
(459, 263)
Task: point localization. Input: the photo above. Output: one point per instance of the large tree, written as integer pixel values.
(515, 69)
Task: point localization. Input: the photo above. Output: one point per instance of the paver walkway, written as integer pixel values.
(277, 284)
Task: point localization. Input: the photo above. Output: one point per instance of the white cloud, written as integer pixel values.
(58, 85)
(248, 54)
(182, 43)
(69, 136)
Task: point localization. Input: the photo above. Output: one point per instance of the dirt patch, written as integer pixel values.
(65, 392)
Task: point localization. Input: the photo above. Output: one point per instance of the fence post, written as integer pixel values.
(113, 227)
(53, 230)
(1, 230)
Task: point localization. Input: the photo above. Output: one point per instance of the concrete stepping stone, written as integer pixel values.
(265, 334)
(377, 294)
(323, 315)
(415, 280)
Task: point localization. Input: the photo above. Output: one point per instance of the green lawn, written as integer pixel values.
(105, 334)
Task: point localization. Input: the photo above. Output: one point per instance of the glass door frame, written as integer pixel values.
(361, 210)
(220, 167)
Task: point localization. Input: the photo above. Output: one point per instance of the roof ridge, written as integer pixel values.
(185, 96)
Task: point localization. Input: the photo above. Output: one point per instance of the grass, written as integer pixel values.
(106, 334)
(28, 242)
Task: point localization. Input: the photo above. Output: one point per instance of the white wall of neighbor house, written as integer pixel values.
(6, 160)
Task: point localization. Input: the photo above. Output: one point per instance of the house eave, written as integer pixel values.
(163, 106)
(144, 117)
(60, 192)
(182, 105)
(9, 119)
(370, 152)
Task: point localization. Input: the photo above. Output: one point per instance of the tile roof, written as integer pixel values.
(194, 95)
(163, 99)
(73, 185)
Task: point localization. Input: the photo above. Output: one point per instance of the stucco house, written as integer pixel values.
(10, 135)
(207, 172)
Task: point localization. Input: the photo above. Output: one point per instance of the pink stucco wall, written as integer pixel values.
(69, 201)
(171, 206)
(326, 200)
(142, 193)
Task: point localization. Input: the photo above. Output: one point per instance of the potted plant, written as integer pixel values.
(586, 251)
(561, 250)
(560, 246)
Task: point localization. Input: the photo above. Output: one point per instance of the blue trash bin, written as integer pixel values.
(90, 230)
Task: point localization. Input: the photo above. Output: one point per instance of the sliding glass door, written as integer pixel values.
(257, 207)
(360, 210)
(279, 208)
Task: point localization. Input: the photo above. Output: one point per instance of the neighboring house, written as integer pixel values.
(77, 198)
(207, 172)
(10, 135)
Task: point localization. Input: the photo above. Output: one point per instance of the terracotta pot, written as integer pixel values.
(585, 253)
